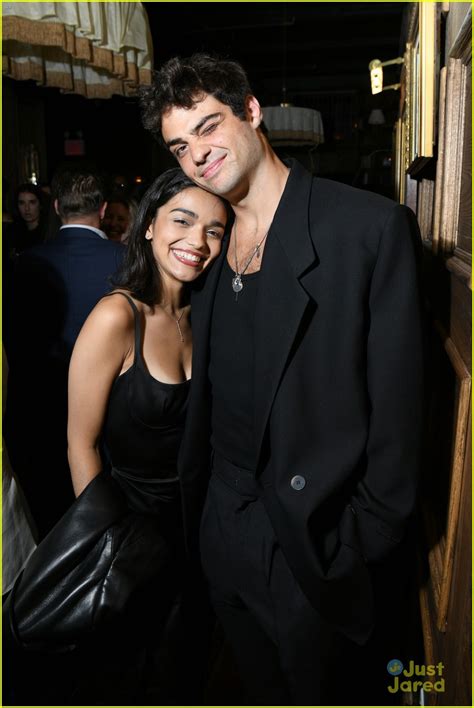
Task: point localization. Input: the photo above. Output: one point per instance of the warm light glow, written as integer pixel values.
(376, 76)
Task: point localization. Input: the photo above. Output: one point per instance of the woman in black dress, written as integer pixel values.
(131, 367)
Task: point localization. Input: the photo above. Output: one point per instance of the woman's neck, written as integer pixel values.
(173, 297)
(31, 225)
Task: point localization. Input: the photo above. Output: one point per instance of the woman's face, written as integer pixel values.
(186, 234)
(116, 220)
(29, 208)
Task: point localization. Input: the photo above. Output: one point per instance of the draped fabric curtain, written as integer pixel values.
(95, 49)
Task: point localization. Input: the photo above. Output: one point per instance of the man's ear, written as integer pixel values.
(254, 111)
(56, 206)
(102, 210)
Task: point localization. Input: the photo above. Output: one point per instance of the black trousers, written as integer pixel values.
(286, 652)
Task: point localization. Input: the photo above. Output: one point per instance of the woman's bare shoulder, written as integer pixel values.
(113, 313)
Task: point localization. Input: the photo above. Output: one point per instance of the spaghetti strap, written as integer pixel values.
(136, 314)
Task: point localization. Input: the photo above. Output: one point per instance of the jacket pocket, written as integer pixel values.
(363, 532)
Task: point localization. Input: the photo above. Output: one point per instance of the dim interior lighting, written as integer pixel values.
(376, 74)
(376, 117)
(138, 180)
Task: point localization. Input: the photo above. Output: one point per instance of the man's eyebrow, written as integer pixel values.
(203, 121)
(195, 130)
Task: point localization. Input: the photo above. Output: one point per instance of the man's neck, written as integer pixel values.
(93, 221)
(255, 211)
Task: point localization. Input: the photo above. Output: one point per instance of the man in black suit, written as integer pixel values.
(56, 285)
(307, 376)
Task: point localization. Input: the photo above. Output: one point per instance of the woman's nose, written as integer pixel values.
(197, 238)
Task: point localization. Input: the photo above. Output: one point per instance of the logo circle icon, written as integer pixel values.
(395, 667)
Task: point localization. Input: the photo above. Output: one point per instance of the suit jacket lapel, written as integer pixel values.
(202, 301)
(282, 300)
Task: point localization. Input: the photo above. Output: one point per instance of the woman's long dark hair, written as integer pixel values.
(139, 273)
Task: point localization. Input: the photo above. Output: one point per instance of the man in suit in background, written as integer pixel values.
(76, 266)
(307, 380)
(56, 285)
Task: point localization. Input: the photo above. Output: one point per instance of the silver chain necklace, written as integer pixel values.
(237, 284)
(177, 320)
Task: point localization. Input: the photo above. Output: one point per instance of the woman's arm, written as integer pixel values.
(105, 343)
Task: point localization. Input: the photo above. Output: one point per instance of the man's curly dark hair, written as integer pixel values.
(180, 82)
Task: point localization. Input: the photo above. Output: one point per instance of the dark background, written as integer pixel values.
(313, 54)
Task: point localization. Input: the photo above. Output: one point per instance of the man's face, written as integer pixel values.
(214, 147)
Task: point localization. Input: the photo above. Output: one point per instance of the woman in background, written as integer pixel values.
(29, 226)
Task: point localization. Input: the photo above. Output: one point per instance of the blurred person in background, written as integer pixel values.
(118, 217)
(29, 226)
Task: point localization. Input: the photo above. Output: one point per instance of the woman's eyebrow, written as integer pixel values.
(185, 211)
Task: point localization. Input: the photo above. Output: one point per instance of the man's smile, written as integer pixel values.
(211, 169)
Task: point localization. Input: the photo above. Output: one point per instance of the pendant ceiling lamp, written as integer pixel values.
(287, 124)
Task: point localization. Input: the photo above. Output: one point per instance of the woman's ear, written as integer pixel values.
(149, 232)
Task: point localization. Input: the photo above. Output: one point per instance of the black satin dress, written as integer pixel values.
(142, 433)
(143, 429)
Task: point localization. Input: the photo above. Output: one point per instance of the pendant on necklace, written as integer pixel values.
(237, 284)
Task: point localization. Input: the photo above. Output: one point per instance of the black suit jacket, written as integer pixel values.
(338, 386)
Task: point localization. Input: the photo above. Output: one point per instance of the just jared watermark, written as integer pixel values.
(406, 680)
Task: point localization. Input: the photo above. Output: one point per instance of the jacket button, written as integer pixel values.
(298, 482)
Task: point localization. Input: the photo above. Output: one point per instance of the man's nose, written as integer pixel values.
(199, 152)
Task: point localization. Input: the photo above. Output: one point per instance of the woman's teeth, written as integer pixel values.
(188, 256)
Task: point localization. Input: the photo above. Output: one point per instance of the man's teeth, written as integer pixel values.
(188, 256)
